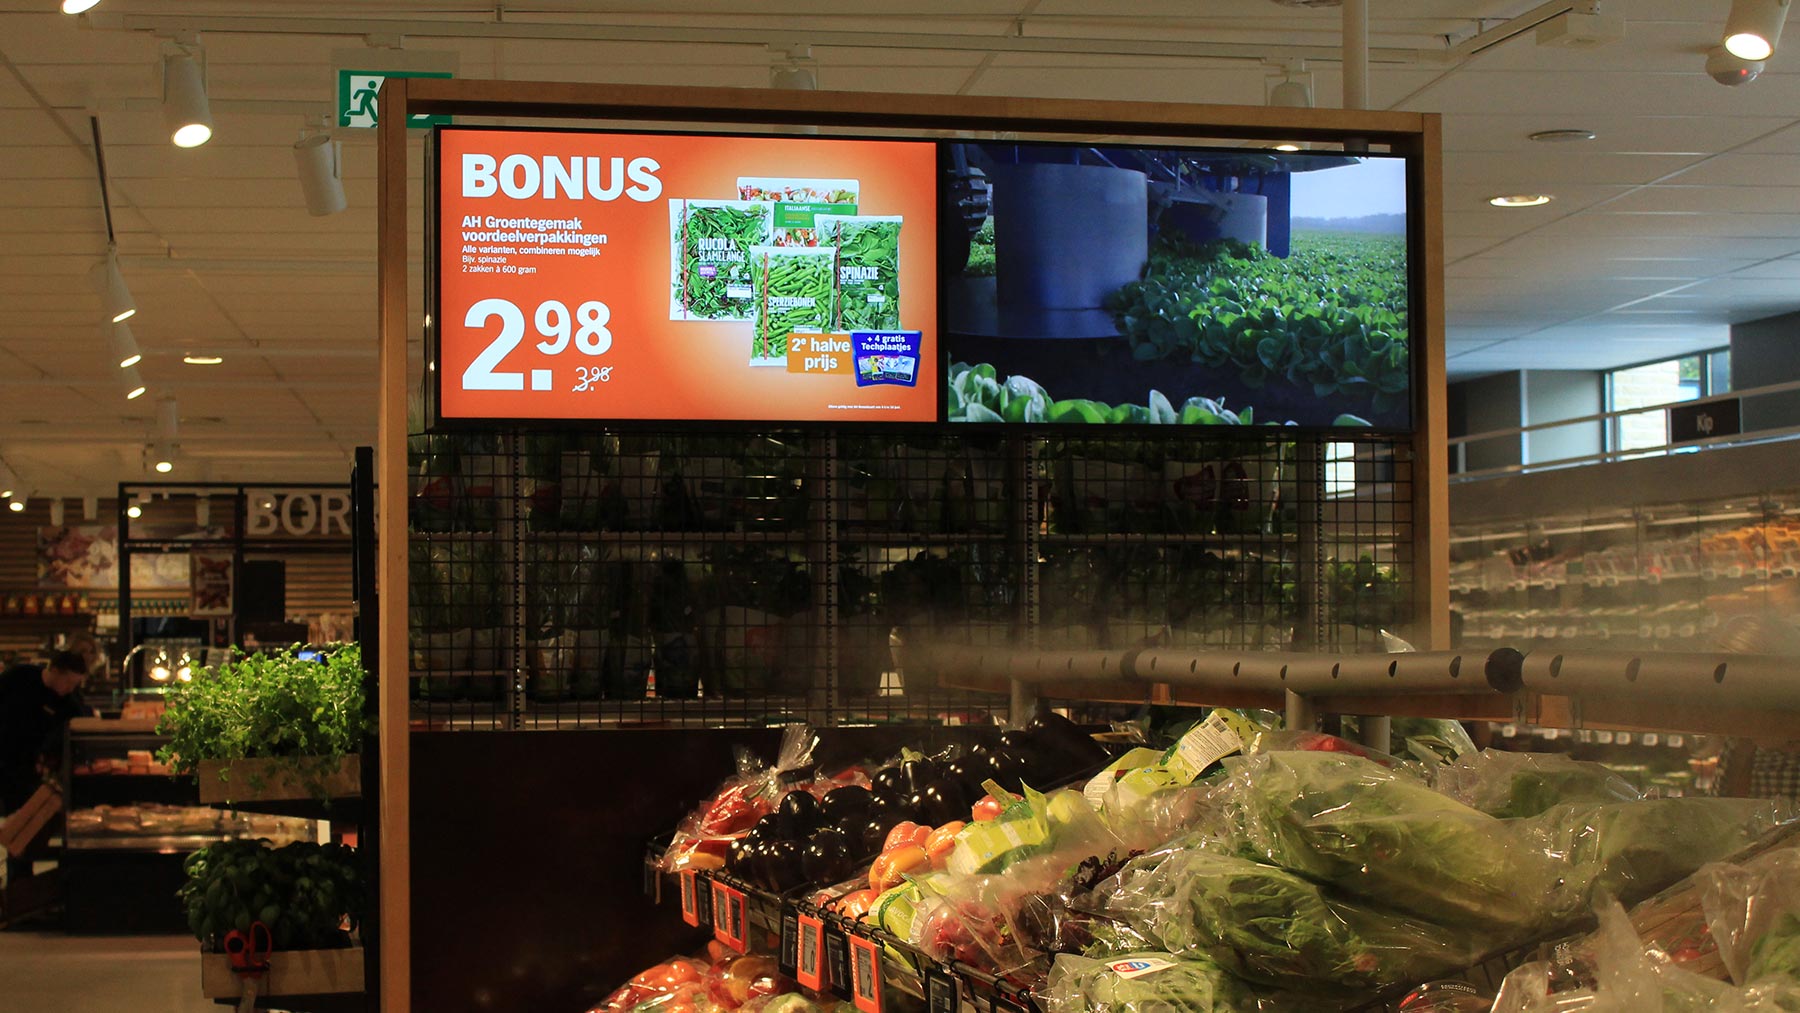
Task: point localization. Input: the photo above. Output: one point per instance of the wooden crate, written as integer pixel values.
(293, 972)
(24, 827)
(225, 781)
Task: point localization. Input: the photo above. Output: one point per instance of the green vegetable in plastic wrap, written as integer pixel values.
(1144, 983)
(1778, 951)
(1270, 926)
(868, 270)
(793, 294)
(711, 248)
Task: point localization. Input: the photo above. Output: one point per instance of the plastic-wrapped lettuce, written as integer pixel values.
(1753, 913)
(1147, 982)
(1506, 784)
(1387, 837)
(1630, 850)
(1272, 927)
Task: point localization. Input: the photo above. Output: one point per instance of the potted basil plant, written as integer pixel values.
(283, 725)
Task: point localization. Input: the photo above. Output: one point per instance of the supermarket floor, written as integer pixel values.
(48, 972)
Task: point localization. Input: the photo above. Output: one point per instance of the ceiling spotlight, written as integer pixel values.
(124, 346)
(1520, 200)
(79, 6)
(134, 384)
(203, 360)
(319, 160)
(1754, 28)
(16, 505)
(7, 481)
(1563, 136)
(165, 462)
(134, 511)
(1291, 94)
(1287, 147)
(1730, 70)
(186, 112)
(111, 283)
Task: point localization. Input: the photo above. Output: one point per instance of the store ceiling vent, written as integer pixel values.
(1581, 31)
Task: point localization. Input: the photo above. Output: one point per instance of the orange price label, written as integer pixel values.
(819, 354)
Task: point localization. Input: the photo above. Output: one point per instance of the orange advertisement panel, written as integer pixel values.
(612, 276)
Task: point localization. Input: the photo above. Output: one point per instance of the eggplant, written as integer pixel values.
(737, 860)
(798, 813)
(1064, 737)
(942, 801)
(873, 832)
(785, 867)
(768, 827)
(1011, 769)
(890, 778)
(828, 857)
(841, 803)
(892, 806)
(919, 773)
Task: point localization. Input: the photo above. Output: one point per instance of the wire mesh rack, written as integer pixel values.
(594, 579)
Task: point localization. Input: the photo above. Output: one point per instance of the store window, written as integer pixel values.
(1686, 378)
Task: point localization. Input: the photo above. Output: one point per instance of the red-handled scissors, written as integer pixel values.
(249, 953)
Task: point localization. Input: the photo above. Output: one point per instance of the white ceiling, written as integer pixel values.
(1681, 218)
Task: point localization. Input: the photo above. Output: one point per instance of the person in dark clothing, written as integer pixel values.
(36, 701)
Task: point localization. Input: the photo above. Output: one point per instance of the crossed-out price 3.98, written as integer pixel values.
(585, 329)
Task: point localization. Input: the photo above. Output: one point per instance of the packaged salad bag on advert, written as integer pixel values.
(867, 292)
(792, 296)
(709, 256)
(797, 202)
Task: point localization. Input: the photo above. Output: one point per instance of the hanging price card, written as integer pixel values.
(690, 899)
(865, 974)
(787, 958)
(729, 916)
(837, 961)
(809, 971)
(941, 991)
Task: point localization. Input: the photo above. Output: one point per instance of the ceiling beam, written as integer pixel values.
(515, 30)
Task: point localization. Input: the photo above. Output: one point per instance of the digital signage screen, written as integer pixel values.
(587, 275)
(1137, 285)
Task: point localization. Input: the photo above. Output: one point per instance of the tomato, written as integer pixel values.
(987, 809)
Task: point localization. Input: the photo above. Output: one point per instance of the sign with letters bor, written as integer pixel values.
(277, 513)
(657, 277)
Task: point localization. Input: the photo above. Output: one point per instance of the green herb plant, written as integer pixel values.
(1332, 316)
(310, 896)
(981, 252)
(793, 293)
(308, 715)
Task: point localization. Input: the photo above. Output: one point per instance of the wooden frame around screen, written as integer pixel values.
(1415, 134)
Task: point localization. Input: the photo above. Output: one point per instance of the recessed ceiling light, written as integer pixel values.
(1563, 136)
(1520, 200)
(202, 360)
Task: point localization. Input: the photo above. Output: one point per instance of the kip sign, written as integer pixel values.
(275, 513)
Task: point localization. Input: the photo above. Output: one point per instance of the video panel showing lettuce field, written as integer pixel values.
(1109, 285)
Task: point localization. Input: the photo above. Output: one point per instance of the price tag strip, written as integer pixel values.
(942, 993)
